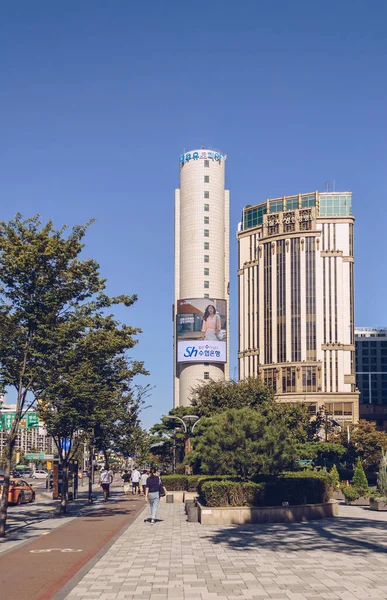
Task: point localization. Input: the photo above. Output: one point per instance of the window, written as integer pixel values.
(206, 258)
(206, 163)
(206, 220)
(206, 295)
(206, 245)
(289, 222)
(206, 207)
(288, 379)
(206, 375)
(206, 194)
(206, 179)
(206, 233)
(206, 271)
(309, 383)
(206, 284)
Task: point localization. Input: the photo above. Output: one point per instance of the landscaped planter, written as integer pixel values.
(338, 495)
(378, 504)
(362, 501)
(209, 515)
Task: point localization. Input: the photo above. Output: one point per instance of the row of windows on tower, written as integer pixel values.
(206, 244)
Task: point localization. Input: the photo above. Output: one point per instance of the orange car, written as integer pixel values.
(19, 491)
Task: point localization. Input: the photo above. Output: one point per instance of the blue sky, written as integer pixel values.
(98, 99)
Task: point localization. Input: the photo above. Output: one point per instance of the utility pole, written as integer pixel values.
(91, 466)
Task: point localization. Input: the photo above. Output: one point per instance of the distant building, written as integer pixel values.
(34, 438)
(202, 273)
(371, 373)
(296, 300)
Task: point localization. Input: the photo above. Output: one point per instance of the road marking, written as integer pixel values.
(46, 550)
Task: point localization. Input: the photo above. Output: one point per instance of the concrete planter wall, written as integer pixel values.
(362, 501)
(378, 504)
(209, 515)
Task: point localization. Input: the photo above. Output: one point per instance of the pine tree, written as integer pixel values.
(359, 477)
(382, 474)
(334, 477)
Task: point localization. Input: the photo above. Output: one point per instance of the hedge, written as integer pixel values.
(294, 488)
(189, 483)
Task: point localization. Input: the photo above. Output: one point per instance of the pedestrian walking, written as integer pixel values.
(136, 476)
(144, 477)
(105, 479)
(154, 486)
(126, 480)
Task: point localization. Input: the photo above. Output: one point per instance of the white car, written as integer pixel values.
(40, 474)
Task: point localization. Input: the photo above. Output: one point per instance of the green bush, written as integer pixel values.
(298, 488)
(334, 477)
(359, 480)
(294, 488)
(350, 492)
(175, 483)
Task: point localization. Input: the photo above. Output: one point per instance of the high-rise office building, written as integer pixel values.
(201, 308)
(296, 306)
(371, 373)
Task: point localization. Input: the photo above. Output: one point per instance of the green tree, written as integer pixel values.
(382, 474)
(334, 477)
(87, 386)
(216, 396)
(365, 442)
(241, 442)
(359, 477)
(48, 296)
(169, 436)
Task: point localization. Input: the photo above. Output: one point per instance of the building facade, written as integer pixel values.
(202, 236)
(371, 374)
(296, 300)
(28, 439)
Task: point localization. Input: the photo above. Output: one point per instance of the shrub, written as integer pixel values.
(298, 488)
(175, 483)
(359, 478)
(382, 474)
(334, 477)
(294, 488)
(215, 493)
(350, 492)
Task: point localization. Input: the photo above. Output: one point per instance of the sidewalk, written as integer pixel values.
(335, 559)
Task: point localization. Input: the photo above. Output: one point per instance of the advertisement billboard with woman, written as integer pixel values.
(201, 330)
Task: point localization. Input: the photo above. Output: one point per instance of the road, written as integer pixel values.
(43, 507)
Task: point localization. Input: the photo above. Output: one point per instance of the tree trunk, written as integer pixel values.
(65, 487)
(106, 456)
(91, 472)
(10, 445)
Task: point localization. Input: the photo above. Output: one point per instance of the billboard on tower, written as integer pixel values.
(201, 330)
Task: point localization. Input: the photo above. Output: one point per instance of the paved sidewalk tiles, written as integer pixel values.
(336, 559)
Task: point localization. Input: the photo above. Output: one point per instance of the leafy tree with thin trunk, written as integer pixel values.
(48, 295)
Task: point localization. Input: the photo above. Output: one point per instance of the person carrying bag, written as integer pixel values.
(154, 490)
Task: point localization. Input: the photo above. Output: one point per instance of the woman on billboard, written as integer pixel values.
(211, 325)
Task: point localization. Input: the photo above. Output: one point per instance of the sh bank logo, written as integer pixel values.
(190, 352)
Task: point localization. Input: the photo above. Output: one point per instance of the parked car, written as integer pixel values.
(19, 491)
(40, 474)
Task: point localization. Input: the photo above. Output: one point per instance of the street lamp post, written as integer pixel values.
(187, 434)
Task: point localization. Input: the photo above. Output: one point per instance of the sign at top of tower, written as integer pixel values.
(200, 155)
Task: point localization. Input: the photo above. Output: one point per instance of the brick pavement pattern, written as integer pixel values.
(343, 558)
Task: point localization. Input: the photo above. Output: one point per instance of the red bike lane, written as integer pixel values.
(38, 569)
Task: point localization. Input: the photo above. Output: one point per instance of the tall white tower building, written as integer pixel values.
(202, 270)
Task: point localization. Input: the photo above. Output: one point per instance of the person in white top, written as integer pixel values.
(135, 481)
(144, 477)
(210, 324)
